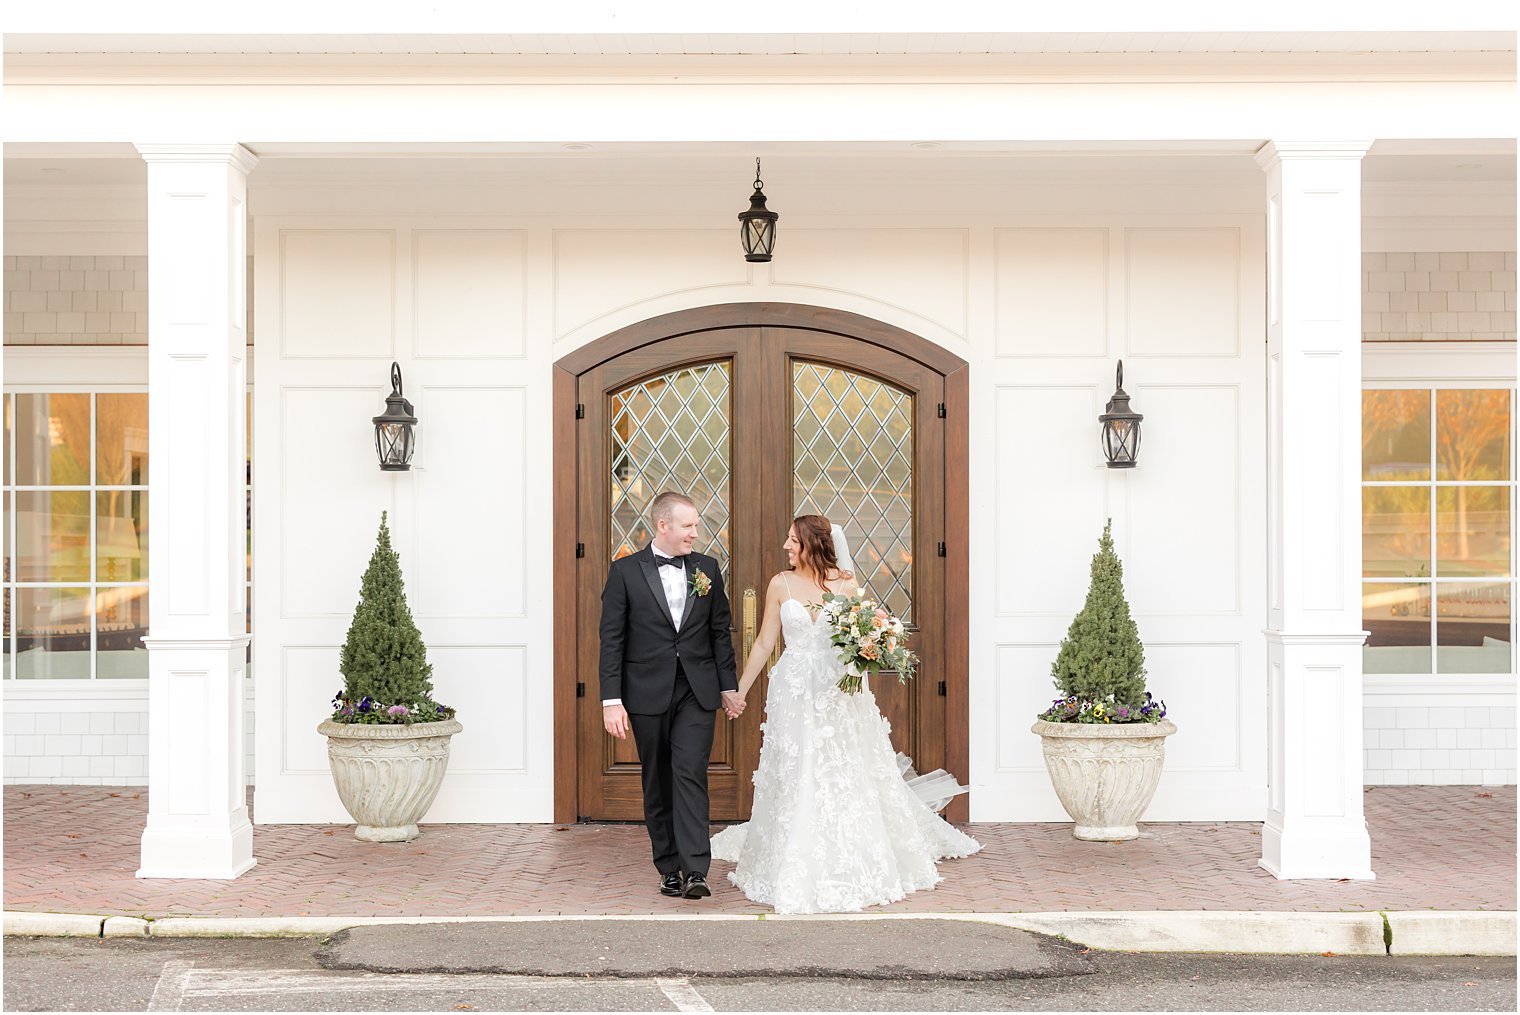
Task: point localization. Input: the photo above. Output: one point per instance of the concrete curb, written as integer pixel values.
(52, 924)
(1452, 933)
(1251, 932)
(1208, 931)
(124, 926)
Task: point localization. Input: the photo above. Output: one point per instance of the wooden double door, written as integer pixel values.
(757, 424)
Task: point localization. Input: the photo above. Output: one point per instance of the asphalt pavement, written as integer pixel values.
(803, 971)
(875, 949)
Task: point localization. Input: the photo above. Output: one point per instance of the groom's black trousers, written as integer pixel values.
(673, 751)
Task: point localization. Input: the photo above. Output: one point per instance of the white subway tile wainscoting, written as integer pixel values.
(75, 741)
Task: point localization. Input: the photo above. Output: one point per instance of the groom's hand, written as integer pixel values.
(615, 720)
(733, 704)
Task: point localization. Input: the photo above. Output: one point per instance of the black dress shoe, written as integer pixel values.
(696, 886)
(671, 885)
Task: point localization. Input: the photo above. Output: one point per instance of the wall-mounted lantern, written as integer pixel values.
(394, 440)
(1120, 427)
(757, 226)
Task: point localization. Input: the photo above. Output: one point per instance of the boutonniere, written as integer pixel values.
(701, 585)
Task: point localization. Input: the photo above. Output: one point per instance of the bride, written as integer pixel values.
(834, 828)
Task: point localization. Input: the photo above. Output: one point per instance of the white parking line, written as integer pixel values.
(169, 991)
(182, 983)
(208, 983)
(683, 995)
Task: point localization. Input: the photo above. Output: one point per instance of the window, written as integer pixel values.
(76, 535)
(1438, 505)
(75, 500)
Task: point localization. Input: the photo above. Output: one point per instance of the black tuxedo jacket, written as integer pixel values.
(641, 644)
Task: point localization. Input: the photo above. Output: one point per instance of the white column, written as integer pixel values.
(1314, 827)
(198, 824)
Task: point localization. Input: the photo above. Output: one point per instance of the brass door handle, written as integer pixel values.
(751, 630)
(749, 626)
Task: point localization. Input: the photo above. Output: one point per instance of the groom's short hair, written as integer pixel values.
(664, 506)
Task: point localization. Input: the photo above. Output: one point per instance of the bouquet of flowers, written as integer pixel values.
(869, 639)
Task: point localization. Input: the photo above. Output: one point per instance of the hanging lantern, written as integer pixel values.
(757, 226)
(1120, 428)
(394, 440)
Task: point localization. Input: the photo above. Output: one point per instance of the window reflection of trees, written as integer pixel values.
(1445, 518)
(1396, 435)
(78, 579)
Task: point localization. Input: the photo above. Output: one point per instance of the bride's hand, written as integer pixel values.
(733, 704)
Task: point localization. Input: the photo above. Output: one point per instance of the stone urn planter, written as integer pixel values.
(388, 775)
(1105, 774)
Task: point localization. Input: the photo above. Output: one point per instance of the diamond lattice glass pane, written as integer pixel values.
(672, 433)
(852, 461)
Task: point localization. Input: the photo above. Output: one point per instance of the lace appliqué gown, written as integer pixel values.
(835, 827)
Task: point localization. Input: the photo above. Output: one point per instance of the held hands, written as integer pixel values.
(615, 717)
(615, 720)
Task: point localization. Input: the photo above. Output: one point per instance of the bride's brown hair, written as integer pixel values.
(815, 540)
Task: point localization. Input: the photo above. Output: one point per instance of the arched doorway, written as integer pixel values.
(761, 411)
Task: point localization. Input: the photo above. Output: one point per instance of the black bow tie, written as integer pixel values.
(679, 562)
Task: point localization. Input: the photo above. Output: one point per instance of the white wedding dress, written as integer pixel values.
(835, 826)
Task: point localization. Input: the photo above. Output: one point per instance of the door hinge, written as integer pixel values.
(580, 550)
(942, 410)
(580, 689)
(941, 688)
(941, 549)
(580, 410)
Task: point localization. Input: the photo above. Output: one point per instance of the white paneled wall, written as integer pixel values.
(670, 262)
(348, 309)
(450, 481)
(1451, 296)
(460, 309)
(927, 277)
(1051, 281)
(1180, 301)
(448, 299)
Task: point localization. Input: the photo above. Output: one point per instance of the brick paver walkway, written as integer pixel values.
(74, 849)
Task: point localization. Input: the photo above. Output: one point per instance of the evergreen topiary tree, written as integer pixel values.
(1101, 654)
(384, 662)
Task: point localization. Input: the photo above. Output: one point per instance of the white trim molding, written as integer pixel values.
(1441, 363)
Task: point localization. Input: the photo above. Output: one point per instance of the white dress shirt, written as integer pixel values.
(674, 580)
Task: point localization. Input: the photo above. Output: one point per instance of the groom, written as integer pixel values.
(667, 664)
